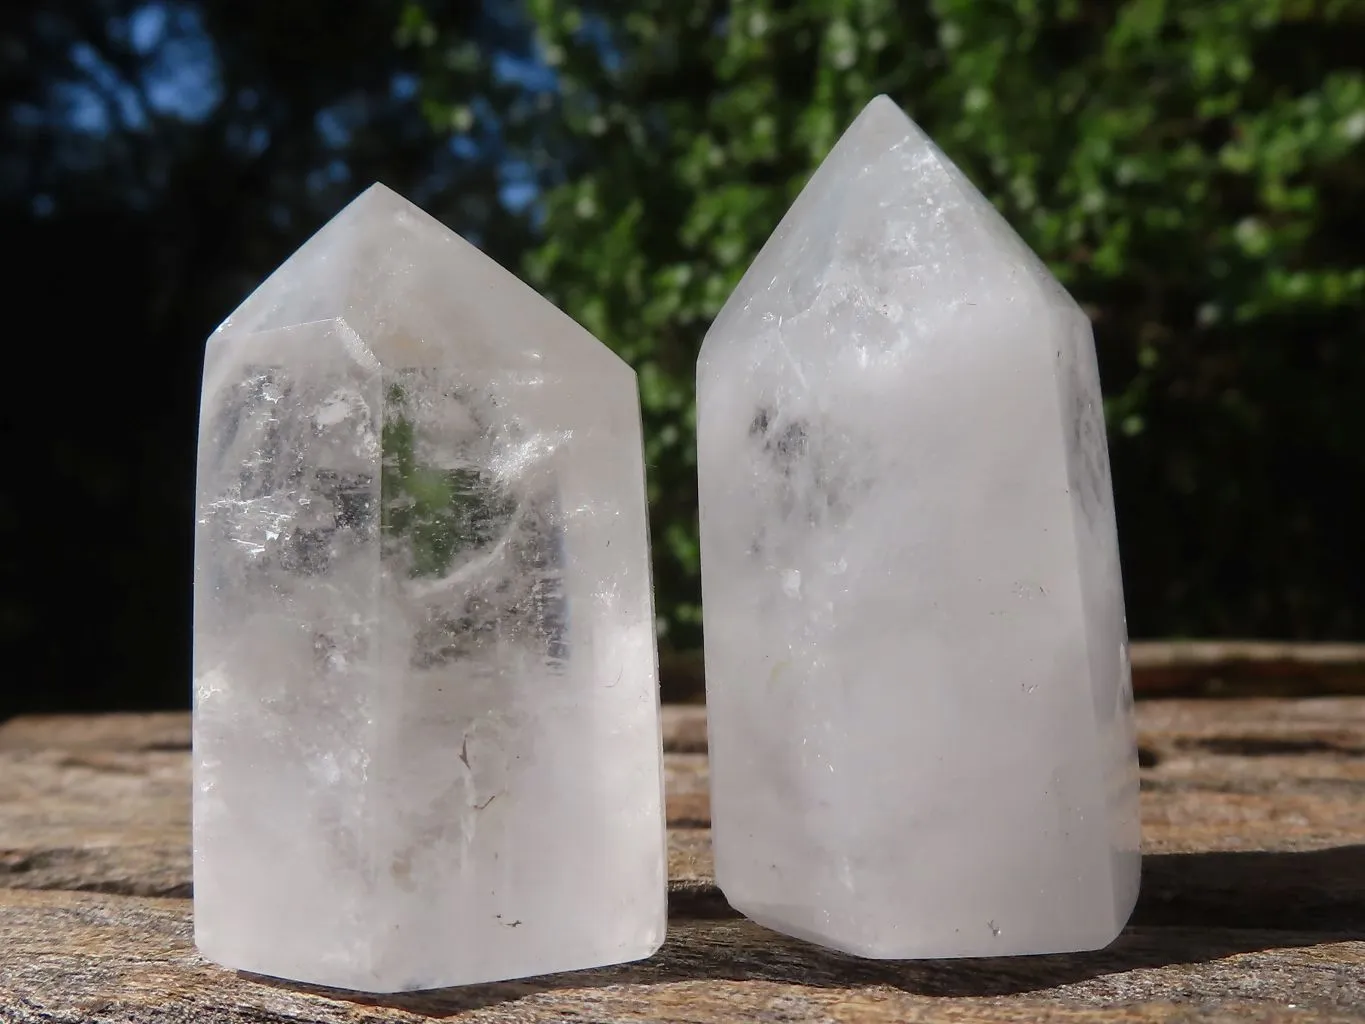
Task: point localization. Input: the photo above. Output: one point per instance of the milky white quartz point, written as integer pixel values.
(920, 708)
(426, 725)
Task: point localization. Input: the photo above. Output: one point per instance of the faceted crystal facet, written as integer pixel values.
(426, 734)
(921, 729)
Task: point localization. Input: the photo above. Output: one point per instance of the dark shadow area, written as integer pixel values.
(1316, 891)
(1194, 909)
(697, 900)
(1251, 746)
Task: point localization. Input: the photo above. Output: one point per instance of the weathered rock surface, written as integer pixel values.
(1252, 907)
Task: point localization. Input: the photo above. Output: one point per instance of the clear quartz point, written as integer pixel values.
(426, 727)
(920, 705)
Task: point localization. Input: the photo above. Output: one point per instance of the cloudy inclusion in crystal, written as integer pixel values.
(918, 691)
(426, 724)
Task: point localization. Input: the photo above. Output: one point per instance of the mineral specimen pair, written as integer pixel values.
(427, 746)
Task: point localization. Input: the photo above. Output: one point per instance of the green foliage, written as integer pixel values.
(434, 513)
(1192, 171)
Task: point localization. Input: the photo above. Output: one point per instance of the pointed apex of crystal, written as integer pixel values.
(885, 190)
(881, 125)
(378, 192)
(405, 282)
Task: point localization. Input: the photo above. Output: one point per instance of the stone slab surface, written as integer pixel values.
(1252, 909)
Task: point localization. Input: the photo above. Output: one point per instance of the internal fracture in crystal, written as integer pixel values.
(918, 688)
(426, 723)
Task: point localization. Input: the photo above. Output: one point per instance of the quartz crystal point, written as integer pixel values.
(920, 706)
(426, 728)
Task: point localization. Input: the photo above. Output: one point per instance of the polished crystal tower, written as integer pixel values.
(919, 698)
(426, 727)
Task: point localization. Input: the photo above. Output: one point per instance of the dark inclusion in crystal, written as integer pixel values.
(441, 520)
(813, 486)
